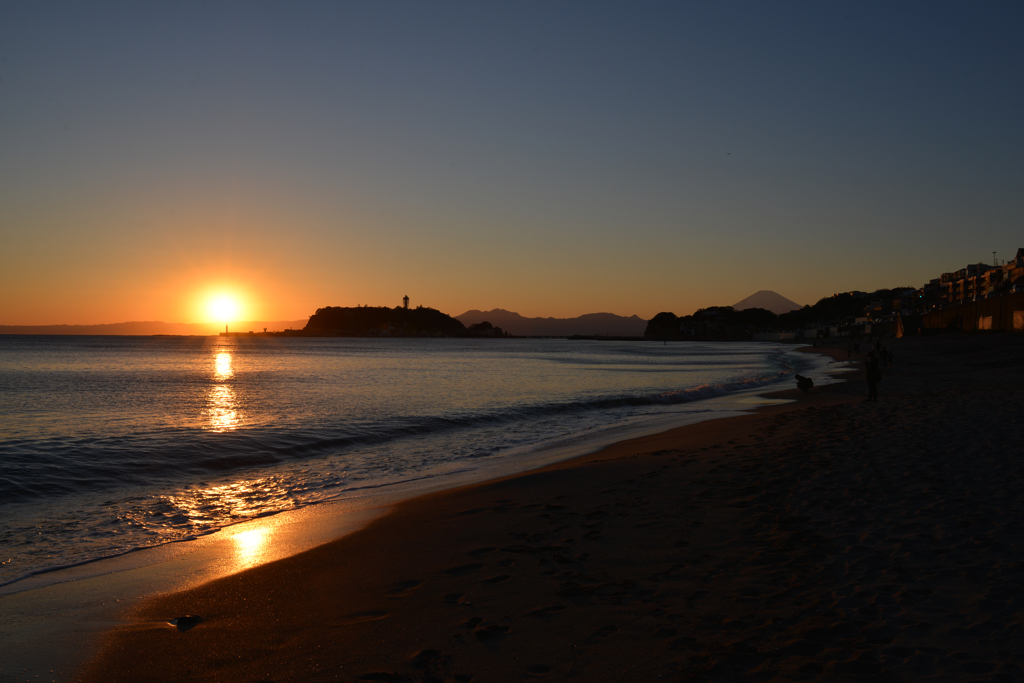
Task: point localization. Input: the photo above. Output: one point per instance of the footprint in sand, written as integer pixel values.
(498, 579)
(361, 617)
(544, 611)
(403, 588)
(491, 631)
(429, 661)
(603, 632)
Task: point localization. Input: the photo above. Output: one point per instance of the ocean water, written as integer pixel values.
(113, 444)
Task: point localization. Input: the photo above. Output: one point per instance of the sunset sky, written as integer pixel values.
(550, 158)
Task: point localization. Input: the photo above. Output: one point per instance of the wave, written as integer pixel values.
(66, 466)
(193, 533)
(73, 500)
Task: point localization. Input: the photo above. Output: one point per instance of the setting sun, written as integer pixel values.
(224, 308)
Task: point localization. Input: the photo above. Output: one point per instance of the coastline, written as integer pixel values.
(634, 444)
(789, 543)
(276, 455)
(76, 605)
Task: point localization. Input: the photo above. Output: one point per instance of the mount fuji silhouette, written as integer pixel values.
(768, 300)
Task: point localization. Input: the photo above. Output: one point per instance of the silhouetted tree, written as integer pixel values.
(664, 326)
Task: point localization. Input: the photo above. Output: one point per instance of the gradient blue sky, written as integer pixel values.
(549, 158)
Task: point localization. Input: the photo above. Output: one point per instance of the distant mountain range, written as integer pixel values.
(154, 327)
(592, 324)
(768, 300)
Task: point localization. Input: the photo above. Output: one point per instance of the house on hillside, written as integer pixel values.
(1013, 271)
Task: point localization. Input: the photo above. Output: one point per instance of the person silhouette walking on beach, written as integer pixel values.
(873, 374)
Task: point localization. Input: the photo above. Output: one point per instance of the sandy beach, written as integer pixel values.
(825, 539)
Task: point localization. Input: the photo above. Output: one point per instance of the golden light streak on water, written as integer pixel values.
(223, 415)
(223, 366)
(204, 507)
(222, 405)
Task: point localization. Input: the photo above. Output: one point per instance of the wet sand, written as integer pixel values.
(830, 538)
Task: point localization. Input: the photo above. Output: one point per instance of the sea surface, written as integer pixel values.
(113, 444)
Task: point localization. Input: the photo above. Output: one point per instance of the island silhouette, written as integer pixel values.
(381, 321)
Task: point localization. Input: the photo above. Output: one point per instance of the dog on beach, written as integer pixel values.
(804, 383)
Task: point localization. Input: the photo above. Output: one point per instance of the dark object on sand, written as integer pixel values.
(185, 623)
(804, 383)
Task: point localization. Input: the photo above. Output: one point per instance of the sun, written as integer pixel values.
(224, 308)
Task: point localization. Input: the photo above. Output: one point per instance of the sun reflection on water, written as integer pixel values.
(222, 406)
(212, 506)
(223, 369)
(250, 547)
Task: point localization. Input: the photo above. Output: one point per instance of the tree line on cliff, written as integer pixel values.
(725, 322)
